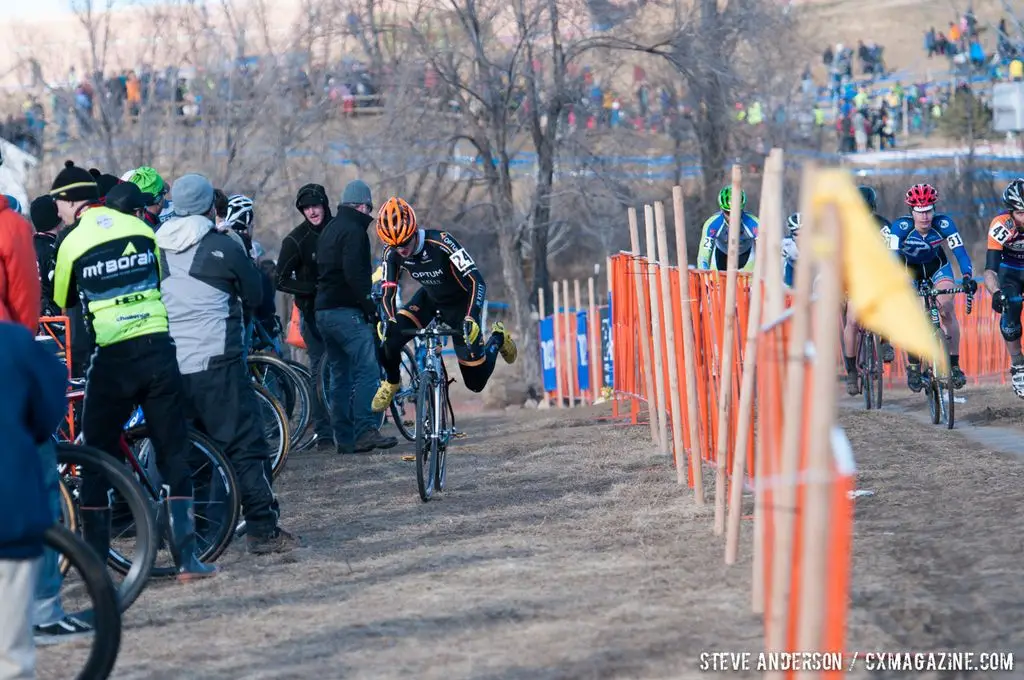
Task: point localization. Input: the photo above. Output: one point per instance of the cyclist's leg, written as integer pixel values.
(1011, 282)
(415, 315)
(476, 360)
(943, 278)
(914, 379)
(163, 403)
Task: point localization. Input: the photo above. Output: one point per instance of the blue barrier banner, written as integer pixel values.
(547, 354)
(582, 352)
(607, 350)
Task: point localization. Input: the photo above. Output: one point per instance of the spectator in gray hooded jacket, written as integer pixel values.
(208, 277)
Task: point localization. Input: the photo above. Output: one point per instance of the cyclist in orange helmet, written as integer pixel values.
(450, 283)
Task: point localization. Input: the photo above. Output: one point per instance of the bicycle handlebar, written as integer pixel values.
(935, 292)
(435, 331)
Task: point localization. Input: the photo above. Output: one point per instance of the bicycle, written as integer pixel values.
(938, 386)
(102, 596)
(287, 381)
(435, 419)
(217, 499)
(275, 428)
(870, 369)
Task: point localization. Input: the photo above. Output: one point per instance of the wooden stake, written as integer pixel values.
(670, 343)
(725, 371)
(596, 360)
(744, 415)
(815, 517)
(542, 314)
(559, 361)
(689, 353)
(659, 359)
(570, 346)
(645, 329)
(784, 494)
(771, 237)
(577, 350)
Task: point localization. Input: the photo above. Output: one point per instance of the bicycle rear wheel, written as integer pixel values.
(426, 439)
(217, 499)
(132, 516)
(103, 598)
(275, 428)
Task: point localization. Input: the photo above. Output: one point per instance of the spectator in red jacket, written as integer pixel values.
(19, 275)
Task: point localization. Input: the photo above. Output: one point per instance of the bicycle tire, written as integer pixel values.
(301, 370)
(214, 546)
(106, 637)
(410, 375)
(933, 399)
(441, 455)
(68, 519)
(278, 458)
(297, 403)
(137, 569)
(864, 367)
(878, 372)
(425, 441)
(948, 393)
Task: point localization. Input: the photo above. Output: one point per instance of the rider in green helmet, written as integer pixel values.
(714, 240)
(154, 189)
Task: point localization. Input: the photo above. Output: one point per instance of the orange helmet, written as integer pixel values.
(396, 222)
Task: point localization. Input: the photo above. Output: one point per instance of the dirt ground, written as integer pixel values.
(564, 549)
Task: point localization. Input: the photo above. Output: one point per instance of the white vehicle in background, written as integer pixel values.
(15, 166)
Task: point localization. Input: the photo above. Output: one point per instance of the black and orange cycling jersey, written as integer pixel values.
(1005, 245)
(444, 269)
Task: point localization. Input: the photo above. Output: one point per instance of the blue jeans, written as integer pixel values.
(315, 350)
(48, 608)
(354, 372)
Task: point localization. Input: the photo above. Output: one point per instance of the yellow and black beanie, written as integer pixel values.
(74, 184)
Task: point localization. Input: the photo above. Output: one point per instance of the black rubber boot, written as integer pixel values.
(96, 530)
(181, 539)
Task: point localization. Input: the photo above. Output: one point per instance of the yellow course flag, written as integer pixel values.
(880, 292)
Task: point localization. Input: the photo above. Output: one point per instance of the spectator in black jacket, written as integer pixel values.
(47, 225)
(296, 275)
(345, 316)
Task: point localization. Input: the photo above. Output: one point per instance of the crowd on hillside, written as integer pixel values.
(961, 44)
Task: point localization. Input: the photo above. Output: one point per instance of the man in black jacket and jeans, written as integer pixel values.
(296, 275)
(345, 315)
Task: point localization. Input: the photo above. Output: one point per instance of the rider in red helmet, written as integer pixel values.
(917, 240)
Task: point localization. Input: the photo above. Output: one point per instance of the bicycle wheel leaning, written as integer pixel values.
(103, 597)
(217, 499)
(426, 437)
(134, 539)
(275, 428)
(288, 388)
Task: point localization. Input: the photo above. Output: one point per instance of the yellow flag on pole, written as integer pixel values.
(881, 294)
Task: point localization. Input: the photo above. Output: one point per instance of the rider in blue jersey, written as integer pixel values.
(917, 240)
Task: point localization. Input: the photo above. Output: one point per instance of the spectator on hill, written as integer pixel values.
(930, 44)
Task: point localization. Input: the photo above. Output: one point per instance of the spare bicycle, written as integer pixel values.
(938, 384)
(435, 419)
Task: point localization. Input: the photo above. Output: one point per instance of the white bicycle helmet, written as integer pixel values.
(1013, 195)
(240, 214)
(794, 224)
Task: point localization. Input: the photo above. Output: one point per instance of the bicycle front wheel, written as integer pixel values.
(426, 437)
(878, 371)
(104, 604)
(288, 388)
(134, 539)
(865, 366)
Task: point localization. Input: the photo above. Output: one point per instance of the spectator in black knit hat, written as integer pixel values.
(105, 182)
(47, 223)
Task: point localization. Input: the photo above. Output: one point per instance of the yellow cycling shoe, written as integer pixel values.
(385, 393)
(508, 349)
